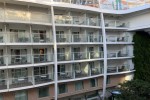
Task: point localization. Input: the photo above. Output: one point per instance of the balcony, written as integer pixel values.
(65, 75)
(90, 3)
(3, 83)
(2, 59)
(42, 58)
(16, 37)
(117, 69)
(117, 39)
(117, 54)
(20, 82)
(25, 16)
(43, 78)
(45, 39)
(19, 59)
(79, 56)
(80, 73)
(74, 38)
(116, 24)
(1, 37)
(96, 71)
(76, 20)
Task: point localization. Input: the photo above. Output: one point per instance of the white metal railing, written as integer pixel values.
(117, 39)
(19, 59)
(117, 54)
(20, 81)
(39, 58)
(65, 75)
(91, 3)
(43, 78)
(25, 16)
(116, 24)
(116, 69)
(71, 38)
(76, 20)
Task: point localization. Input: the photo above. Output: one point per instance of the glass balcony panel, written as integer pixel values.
(79, 55)
(65, 75)
(78, 20)
(12, 14)
(112, 70)
(81, 73)
(61, 56)
(2, 60)
(123, 68)
(20, 82)
(19, 59)
(92, 21)
(19, 37)
(40, 17)
(41, 38)
(110, 23)
(42, 58)
(112, 54)
(94, 55)
(43, 78)
(121, 24)
(1, 37)
(62, 37)
(3, 83)
(95, 71)
(94, 38)
(63, 19)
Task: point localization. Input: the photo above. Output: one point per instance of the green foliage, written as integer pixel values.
(142, 55)
(134, 90)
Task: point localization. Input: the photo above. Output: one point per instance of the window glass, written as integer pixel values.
(78, 85)
(93, 82)
(108, 80)
(21, 95)
(43, 92)
(62, 88)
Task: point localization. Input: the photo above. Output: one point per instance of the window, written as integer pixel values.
(39, 35)
(78, 85)
(21, 95)
(40, 70)
(93, 82)
(16, 73)
(62, 88)
(108, 80)
(43, 92)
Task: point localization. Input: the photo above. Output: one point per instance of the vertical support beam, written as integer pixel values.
(105, 55)
(55, 52)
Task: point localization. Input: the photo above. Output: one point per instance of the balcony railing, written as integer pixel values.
(76, 20)
(80, 74)
(2, 60)
(96, 71)
(116, 24)
(19, 59)
(116, 69)
(117, 39)
(20, 82)
(91, 3)
(74, 38)
(117, 54)
(25, 16)
(65, 75)
(79, 55)
(18, 37)
(43, 78)
(3, 84)
(41, 58)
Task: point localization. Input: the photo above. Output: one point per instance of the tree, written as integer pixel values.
(142, 55)
(134, 90)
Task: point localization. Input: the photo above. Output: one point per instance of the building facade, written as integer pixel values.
(63, 49)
